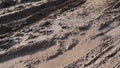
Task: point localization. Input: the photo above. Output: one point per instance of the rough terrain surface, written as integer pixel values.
(60, 34)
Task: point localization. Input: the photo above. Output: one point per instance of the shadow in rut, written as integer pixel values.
(42, 11)
(27, 50)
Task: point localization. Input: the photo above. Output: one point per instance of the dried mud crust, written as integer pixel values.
(61, 34)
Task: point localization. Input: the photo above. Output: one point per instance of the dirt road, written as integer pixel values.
(61, 34)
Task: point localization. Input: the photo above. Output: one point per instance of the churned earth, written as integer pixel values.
(60, 34)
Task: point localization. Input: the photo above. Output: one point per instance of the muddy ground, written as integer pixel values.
(60, 34)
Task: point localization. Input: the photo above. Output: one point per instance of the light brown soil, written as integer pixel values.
(61, 34)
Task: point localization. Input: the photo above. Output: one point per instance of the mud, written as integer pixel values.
(60, 34)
